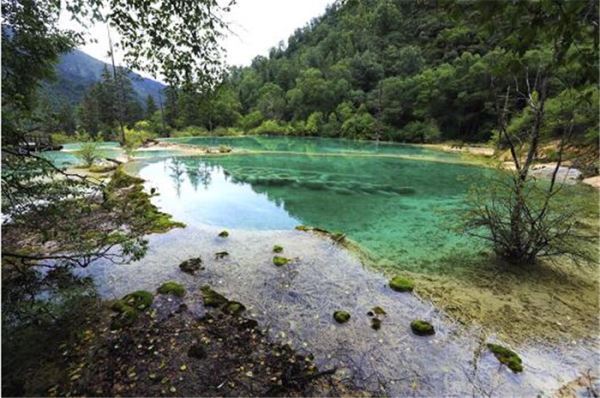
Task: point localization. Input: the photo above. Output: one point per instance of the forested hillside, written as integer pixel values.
(76, 72)
(416, 71)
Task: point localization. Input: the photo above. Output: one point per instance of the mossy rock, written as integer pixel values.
(279, 261)
(234, 308)
(422, 328)
(507, 357)
(125, 318)
(140, 299)
(401, 284)
(212, 298)
(341, 316)
(173, 288)
(191, 266)
(223, 234)
(378, 310)
(376, 323)
(277, 249)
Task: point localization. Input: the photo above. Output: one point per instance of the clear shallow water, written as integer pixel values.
(400, 210)
(294, 304)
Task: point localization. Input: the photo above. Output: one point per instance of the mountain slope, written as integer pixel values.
(76, 71)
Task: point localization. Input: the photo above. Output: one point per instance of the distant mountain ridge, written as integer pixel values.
(76, 71)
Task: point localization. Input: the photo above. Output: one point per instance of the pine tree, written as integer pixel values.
(150, 106)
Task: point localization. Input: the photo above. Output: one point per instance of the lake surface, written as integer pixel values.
(397, 206)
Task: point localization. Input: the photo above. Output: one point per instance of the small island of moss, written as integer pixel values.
(341, 316)
(507, 357)
(422, 328)
(173, 288)
(401, 284)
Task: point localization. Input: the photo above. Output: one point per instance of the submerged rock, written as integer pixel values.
(341, 316)
(507, 357)
(212, 298)
(376, 323)
(279, 261)
(401, 284)
(422, 328)
(191, 266)
(378, 310)
(173, 288)
(223, 234)
(220, 255)
(277, 249)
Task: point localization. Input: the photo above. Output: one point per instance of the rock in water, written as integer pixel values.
(422, 328)
(341, 316)
(401, 284)
(191, 266)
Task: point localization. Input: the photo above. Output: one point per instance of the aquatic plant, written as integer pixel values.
(223, 234)
(507, 357)
(401, 284)
(277, 249)
(341, 316)
(422, 328)
(173, 288)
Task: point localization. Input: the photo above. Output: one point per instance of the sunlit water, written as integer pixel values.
(402, 211)
(398, 207)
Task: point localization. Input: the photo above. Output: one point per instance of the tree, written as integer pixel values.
(150, 106)
(271, 101)
(519, 216)
(173, 38)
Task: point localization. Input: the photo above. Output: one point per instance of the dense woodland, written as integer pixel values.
(420, 71)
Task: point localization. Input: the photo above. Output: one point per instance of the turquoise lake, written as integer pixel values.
(401, 203)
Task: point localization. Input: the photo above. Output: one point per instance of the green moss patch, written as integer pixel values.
(129, 307)
(401, 284)
(223, 234)
(378, 310)
(191, 266)
(277, 249)
(422, 328)
(212, 298)
(341, 316)
(279, 261)
(507, 357)
(173, 288)
(234, 308)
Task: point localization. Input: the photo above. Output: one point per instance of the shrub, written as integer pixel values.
(88, 153)
(251, 120)
(271, 127)
(419, 132)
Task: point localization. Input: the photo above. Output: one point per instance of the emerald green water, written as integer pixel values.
(313, 145)
(402, 211)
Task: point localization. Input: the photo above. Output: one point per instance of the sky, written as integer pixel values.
(257, 26)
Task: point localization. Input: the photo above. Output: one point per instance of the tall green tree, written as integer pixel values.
(150, 106)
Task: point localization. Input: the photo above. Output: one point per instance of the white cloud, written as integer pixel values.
(257, 25)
